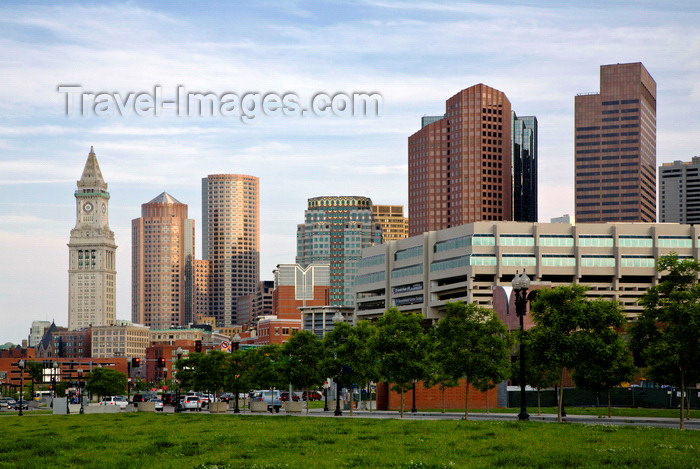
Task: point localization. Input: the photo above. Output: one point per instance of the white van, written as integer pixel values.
(121, 401)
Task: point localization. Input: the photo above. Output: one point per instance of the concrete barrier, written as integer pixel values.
(146, 407)
(293, 407)
(258, 406)
(102, 409)
(218, 407)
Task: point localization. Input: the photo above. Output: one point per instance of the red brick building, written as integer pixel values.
(432, 398)
(459, 164)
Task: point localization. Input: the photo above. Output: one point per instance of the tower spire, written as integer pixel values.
(92, 176)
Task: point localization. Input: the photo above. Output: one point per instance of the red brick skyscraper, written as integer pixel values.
(459, 165)
(616, 147)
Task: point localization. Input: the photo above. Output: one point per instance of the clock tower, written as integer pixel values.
(91, 271)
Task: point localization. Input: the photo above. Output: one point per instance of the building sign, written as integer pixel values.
(407, 288)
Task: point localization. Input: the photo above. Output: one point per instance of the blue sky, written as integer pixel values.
(416, 54)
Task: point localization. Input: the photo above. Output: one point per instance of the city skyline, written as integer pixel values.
(371, 46)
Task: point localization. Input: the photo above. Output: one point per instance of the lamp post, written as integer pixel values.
(235, 345)
(179, 353)
(413, 407)
(54, 375)
(21, 366)
(80, 389)
(521, 283)
(337, 318)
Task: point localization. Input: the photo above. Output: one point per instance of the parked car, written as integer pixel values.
(7, 403)
(313, 396)
(159, 404)
(121, 401)
(284, 397)
(273, 400)
(192, 403)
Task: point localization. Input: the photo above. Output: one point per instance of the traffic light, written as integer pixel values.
(135, 362)
(198, 346)
(50, 387)
(161, 362)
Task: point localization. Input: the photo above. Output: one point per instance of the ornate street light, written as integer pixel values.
(521, 283)
(236, 343)
(337, 318)
(53, 378)
(80, 389)
(21, 364)
(413, 407)
(179, 353)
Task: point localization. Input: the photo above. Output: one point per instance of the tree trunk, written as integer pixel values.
(687, 405)
(561, 396)
(307, 399)
(466, 399)
(369, 396)
(487, 402)
(538, 402)
(401, 401)
(682, 394)
(609, 403)
(351, 398)
(443, 399)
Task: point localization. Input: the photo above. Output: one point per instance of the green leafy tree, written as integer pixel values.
(264, 367)
(106, 382)
(474, 345)
(605, 362)
(567, 332)
(400, 348)
(435, 375)
(364, 334)
(339, 354)
(303, 353)
(36, 373)
(236, 376)
(666, 335)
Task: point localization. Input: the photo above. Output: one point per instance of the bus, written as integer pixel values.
(39, 395)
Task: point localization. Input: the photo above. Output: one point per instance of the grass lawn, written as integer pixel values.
(142, 440)
(596, 411)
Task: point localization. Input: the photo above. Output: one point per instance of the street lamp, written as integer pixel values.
(21, 365)
(337, 318)
(236, 343)
(521, 283)
(54, 375)
(80, 389)
(179, 353)
(413, 407)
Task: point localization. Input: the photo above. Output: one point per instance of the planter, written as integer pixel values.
(217, 407)
(258, 406)
(291, 406)
(146, 407)
(242, 404)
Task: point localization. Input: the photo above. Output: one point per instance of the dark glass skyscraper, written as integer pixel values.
(524, 135)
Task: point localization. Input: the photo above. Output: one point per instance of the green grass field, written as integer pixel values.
(141, 440)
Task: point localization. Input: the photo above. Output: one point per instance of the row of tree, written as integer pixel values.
(571, 334)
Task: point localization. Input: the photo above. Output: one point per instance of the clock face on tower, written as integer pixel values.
(87, 207)
(104, 208)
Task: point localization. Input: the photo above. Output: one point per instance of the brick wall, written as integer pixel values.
(432, 398)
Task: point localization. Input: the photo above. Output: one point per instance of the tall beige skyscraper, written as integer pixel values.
(230, 240)
(91, 271)
(162, 247)
(616, 147)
